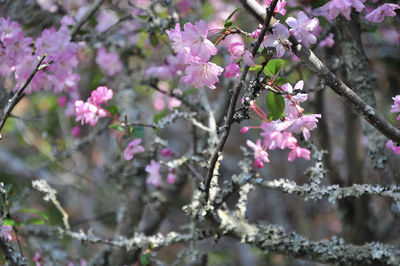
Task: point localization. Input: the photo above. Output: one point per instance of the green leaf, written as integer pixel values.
(113, 109)
(42, 214)
(255, 68)
(153, 39)
(273, 67)
(276, 105)
(117, 127)
(190, 91)
(231, 15)
(8, 188)
(136, 132)
(8, 222)
(145, 259)
(36, 221)
(158, 116)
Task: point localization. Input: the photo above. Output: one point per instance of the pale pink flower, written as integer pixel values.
(88, 113)
(304, 124)
(171, 176)
(280, 6)
(232, 70)
(260, 155)
(395, 149)
(132, 148)
(105, 20)
(328, 41)
(101, 95)
(378, 15)
(292, 107)
(248, 58)
(396, 106)
(108, 62)
(279, 39)
(335, 7)
(5, 232)
(195, 37)
(154, 177)
(201, 74)
(302, 28)
(298, 152)
(175, 35)
(236, 50)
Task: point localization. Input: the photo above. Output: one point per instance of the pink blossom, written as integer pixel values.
(166, 152)
(298, 152)
(101, 95)
(175, 35)
(132, 148)
(88, 113)
(154, 177)
(304, 124)
(5, 232)
(279, 39)
(335, 7)
(171, 176)
(396, 106)
(378, 15)
(260, 155)
(292, 107)
(248, 58)
(76, 131)
(280, 6)
(244, 130)
(236, 50)
(38, 259)
(201, 74)
(108, 62)
(105, 20)
(328, 41)
(195, 37)
(302, 28)
(232, 70)
(62, 101)
(394, 148)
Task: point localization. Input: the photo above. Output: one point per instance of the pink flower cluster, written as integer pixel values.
(279, 133)
(153, 169)
(335, 7)
(108, 62)
(90, 111)
(302, 28)
(195, 50)
(378, 15)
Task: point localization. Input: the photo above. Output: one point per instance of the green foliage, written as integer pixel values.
(136, 132)
(117, 127)
(158, 116)
(273, 67)
(276, 105)
(113, 109)
(190, 91)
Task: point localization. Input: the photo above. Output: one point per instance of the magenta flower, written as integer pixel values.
(232, 70)
(154, 177)
(280, 6)
(166, 152)
(335, 7)
(394, 148)
(279, 39)
(76, 131)
(260, 155)
(201, 74)
(101, 95)
(298, 152)
(171, 176)
(132, 148)
(38, 259)
(195, 37)
(302, 28)
(108, 62)
(378, 15)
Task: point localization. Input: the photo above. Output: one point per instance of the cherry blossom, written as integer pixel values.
(394, 148)
(88, 113)
(232, 70)
(279, 39)
(280, 6)
(201, 74)
(335, 7)
(302, 28)
(299, 152)
(248, 58)
(166, 152)
(5, 232)
(328, 41)
(260, 155)
(396, 106)
(378, 15)
(171, 176)
(108, 62)
(101, 95)
(154, 177)
(132, 148)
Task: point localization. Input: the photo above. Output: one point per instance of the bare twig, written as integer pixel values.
(19, 94)
(85, 18)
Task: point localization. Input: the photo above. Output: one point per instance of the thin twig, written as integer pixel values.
(85, 18)
(232, 104)
(19, 94)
